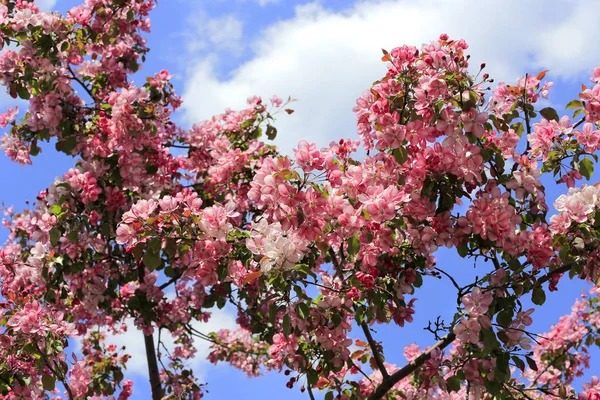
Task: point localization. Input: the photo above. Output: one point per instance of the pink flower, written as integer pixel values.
(79, 379)
(308, 157)
(125, 234)
(168, 204)
(276, 101)
(591, 390)
(15, 149)
(477, 302)
(473, 122)
(11, 113)
(467, 331)
(144, 208)
(588, 137)
(28, 320)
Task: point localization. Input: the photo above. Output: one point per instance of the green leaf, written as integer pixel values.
(138, 250)
(531, 363)
(287, 328)
(514, 264)
(271, 132)
(486, 154)
(489, 339)
(23, 92)
(152, 258)
(34, 150)
(171, 247)
(134, 303)
(493, 387)
(48, 382)
(563, 253)
(586, 168)
(336, 319)
(67, 145)
(54, 236)
(463, 250)
(519, 363)
(273, 312)
(500, 161)
(353, 245)
(154, 245)
(589, 341)
(329, 396)
(400, 155)
(549, 113)
(56, 209)
(303, 310)
(502, 371)
(151, 169)
(184, 248)
(574, 104)
(538, 296)
(453, 384)
(578, 112)
(73, 236)
(504, 317)
(77, 267)
(312, 377)
(170, 272)
(418, 280)
(518, 128)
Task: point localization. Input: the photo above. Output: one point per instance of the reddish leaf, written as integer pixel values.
(252, 276)
(386, 56)
(541, 75)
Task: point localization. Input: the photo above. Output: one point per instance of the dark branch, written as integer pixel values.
(409, 368)
(374, 349)
(83, 85)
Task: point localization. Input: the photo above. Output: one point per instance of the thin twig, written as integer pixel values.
(376, 353)
(76, 79)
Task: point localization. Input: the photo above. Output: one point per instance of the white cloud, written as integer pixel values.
(224, 32)
(45, 4)
(264, 3)
(133, 340)
(325, 58)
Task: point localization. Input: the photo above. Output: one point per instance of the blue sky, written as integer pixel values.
(324, 54)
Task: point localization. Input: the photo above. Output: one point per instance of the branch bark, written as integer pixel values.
(375, 350)
(409, 368)
(157, 392)
(153, 374)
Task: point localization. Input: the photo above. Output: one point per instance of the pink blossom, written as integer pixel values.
(467, 331)
(477, 302)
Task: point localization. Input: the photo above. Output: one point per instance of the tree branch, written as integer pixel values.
(338, 268)
(153, 373)
(157, 393)
(409, 368)
(375, 350)
(560, 270)
(83, 85)
(310, 393)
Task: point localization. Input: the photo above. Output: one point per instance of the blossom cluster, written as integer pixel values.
(310, 249)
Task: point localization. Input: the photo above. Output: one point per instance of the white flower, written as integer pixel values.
(280, 253)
